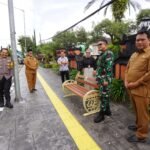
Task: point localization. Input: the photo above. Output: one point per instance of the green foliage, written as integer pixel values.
(47, 66)
(144, 13)
(118, 91)
(29, 43)
(55, 68)
(81, 35)
(73, 74)
(65, 39)
(118, 7)
(115, 49)
(114, 29)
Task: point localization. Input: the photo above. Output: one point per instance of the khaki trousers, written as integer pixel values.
(31, 80)
(142, 115)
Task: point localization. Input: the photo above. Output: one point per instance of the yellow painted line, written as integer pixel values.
(81, 137)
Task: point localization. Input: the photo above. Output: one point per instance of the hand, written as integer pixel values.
(126, 84)
(133, 85)
(94, 72)
(105, 83)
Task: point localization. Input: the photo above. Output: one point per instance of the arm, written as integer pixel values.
(59, 62)
(146, 77)
(109, 67)
(26, 64)
(125, 80)
(143, 80)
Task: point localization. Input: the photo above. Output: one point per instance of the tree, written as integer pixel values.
(65, 39)
(81, 35)
(144, 13)
(118, 7)
(113, 29)
(29, 43)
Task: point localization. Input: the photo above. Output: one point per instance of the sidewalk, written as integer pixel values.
(34, 124)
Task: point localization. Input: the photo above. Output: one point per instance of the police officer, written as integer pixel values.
(6, 73)
(31, 64)
(104, 74)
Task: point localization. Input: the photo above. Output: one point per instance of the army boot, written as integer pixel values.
(1, 102)
(100, 117)
(9, 105)
(108, 112)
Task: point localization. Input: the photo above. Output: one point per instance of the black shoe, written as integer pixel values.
(132, 127)
(1, 105)
(31, 91)
(100, 117)
(134, 139)
(9, 105)
(107, 113)
(34, 89)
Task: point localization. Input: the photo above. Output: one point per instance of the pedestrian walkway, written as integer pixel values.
(45, 120)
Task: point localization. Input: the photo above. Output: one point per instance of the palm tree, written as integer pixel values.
(118, 7)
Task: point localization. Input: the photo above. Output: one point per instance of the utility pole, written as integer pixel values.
(13, 45)
(25, 44)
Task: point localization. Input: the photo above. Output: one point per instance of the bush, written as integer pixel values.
(118, 91)
(55, 68)
(115, 49)
(47, 66)
(73, 73)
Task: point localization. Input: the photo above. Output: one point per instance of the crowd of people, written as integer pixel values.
(137, 79)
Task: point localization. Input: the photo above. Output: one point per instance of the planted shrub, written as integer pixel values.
(73, 73)
(118, 91)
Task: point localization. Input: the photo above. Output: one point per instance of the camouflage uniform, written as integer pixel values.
(104, 73)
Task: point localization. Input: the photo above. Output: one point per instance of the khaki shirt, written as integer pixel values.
(31, 64)
(138, 69)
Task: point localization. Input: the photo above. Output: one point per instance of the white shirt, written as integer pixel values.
(63, 67)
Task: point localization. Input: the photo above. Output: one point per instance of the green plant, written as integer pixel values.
(55, 67)
(47, 66)
(73, 73)
(118, 91)
(115, 49)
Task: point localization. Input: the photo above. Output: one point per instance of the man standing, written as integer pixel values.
(137, 81)
(6, 73)
(31, 64)
(88, 60)
(63, 63)
(104, 75)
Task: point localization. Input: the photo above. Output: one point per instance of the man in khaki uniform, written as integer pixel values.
(6, 73)
(31, 64)
(137, 81)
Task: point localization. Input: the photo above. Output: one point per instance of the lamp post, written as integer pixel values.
(22, 10)
(24, 21)
(13, 45)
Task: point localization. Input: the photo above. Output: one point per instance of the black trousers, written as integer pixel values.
(5, 85)
(64, 75)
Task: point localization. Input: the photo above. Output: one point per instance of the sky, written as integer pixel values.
(47, 17)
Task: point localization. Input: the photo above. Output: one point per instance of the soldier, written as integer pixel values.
(104, 75)
(137, 81)
(31, 64)
(6, 73)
